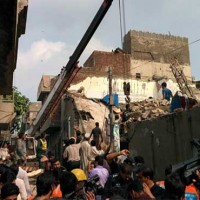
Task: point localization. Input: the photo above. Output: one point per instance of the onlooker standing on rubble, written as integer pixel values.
(167, 93)
(116, 135)
(96, 132)
(21, 147)
(41, 149)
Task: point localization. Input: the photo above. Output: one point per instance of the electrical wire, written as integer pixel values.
(120, 20)
(124, 17)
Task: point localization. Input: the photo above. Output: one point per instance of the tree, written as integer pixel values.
(20, 102)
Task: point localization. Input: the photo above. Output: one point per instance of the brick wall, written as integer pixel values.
(98, 63)
(156, 47)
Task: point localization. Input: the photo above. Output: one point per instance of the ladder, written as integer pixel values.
(181, 79)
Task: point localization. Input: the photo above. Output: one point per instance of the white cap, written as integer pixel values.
(87, 135)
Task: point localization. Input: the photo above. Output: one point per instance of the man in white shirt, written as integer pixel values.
(13, 171)
(94, 151)
(22, 174)
(71, 154)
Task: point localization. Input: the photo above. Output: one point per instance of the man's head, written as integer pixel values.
(9, 191)
(81, 178)
(99, 160)
(15, 169)
(116, 117)
(93, 143)
(126, 171)
(68, 183)
(87, 136)
(8, 176)
(45, 184)
(43, 135)
(136, 189)
(145, 174)
(97, 124)
(164, 85)
(21, 163)
(21, 135)
(174, 186)
(72, 140)
(56, 164)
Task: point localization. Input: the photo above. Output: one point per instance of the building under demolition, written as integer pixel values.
(144, 62)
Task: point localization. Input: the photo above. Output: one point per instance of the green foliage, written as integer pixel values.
(20, 101)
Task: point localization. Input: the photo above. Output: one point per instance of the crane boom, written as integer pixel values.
(69, 71)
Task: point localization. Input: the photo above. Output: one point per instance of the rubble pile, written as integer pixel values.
(148, 109)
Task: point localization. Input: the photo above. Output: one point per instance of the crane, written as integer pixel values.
(69, 71)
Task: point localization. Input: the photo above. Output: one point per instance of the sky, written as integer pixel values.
(55, 27)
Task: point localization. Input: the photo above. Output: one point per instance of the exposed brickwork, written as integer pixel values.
(97, 65)
(156, 47)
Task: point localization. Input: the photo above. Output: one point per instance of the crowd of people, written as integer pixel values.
(88, 170)
(92, 167)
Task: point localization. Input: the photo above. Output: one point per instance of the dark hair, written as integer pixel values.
(42, 135)
(93, 143)
(148, 172)
(164, 84)
(15, 169)
(97, 124)
(139, 159)
(8, 176)
(174, 186)
(78, 133)
(72, 141)
(116, 117)
(78, 139)
(21, 134)
(55, 160)
(9, 189)
(68, 183)
(44, 183)
(125, 167)
(99, 159)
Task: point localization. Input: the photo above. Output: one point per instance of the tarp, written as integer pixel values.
(115, 98)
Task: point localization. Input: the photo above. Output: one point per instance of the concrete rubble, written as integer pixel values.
(148, 109)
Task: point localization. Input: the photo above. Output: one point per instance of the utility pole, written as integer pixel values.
(111, 102)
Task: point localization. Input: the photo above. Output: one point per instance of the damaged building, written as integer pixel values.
(144, 62)
(75, 112)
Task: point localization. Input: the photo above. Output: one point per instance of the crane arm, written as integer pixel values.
(69, 71)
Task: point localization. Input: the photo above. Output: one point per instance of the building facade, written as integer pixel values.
(144, 62)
